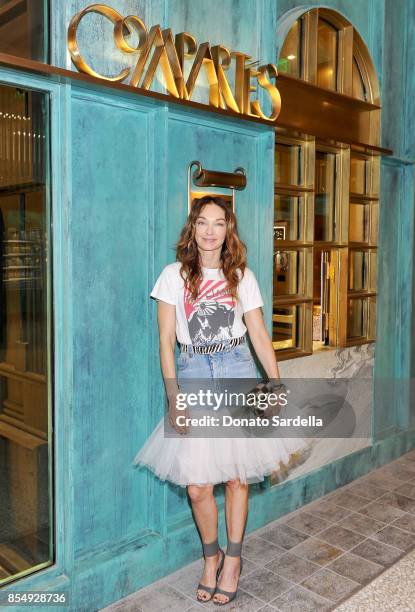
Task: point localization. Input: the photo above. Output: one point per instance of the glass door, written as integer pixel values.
(25, 410)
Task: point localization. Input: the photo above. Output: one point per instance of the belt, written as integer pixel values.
(212, 348)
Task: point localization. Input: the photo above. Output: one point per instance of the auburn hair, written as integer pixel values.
(233, 254)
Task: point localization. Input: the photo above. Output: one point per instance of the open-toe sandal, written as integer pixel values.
(211, 550)
(233, 550)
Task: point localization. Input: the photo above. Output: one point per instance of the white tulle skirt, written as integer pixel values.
(200, 461)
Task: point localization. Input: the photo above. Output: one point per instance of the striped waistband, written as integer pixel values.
(207, 349)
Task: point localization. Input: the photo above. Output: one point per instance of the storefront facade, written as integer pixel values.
(80, 367)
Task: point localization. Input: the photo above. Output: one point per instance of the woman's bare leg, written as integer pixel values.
(205, 512)
(236, 510)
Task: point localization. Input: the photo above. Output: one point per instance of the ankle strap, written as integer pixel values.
(211, 549)
(234, 549)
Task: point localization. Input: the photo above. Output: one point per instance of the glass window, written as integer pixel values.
(325, 196)
(373, 270)
(358, 85)
(358, 270)
(322, 274)
(358, 222)
(285, 327)
(326, 55)
(288, 164)
(288, 217)
(324, 49)
(372, 318)
(24, 28)
(357, 318)
(374, 222)
(362, 263)
(290, 57)
(292, 265)
(26, 534)
(358, 172)
(288, 272)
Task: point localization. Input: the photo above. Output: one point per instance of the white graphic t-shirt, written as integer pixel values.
(215, 315)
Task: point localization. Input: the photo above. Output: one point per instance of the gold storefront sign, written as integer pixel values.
(157, 48)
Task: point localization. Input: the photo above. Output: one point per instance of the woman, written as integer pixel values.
(201, 300)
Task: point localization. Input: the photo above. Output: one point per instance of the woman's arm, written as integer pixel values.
(261, 342)
(166, 315)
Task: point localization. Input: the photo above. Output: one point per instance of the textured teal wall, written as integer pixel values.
(110, 192)
(119, 200)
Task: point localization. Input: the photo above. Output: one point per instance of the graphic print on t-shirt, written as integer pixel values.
(210, 317)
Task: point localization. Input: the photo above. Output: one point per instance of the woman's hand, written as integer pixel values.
(262, 342)
(175, 412)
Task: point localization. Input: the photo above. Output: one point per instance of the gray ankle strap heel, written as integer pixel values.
(211, 550)
(233, 549)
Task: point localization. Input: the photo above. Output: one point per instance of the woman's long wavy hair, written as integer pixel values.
(233, 255)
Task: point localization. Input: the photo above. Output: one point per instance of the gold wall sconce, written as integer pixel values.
(235, 181)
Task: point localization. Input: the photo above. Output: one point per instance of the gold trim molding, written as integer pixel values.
(158, 49)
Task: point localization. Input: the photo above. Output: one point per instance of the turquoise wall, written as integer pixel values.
(119, 166)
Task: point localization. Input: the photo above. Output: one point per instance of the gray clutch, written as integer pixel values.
(270, 397)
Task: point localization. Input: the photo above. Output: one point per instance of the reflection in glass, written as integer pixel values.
(285, 327)
(290, 57)
(372, 318)
(325, 191)
(374, 222)
(288, 272)
(23, 28)
(358, 222)
(358, 85)
(288, 217)
(25, 529)
(357, 318)
(358, 175)
(373, 271)
(326, 55)
(358, 270)
(288, 170)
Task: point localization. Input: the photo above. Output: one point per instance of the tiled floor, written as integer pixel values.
(391, 591)
(314, 558)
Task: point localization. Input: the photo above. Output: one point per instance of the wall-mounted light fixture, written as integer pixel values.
(214, 178)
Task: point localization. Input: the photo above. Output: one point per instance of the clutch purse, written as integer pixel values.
(269, 399)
